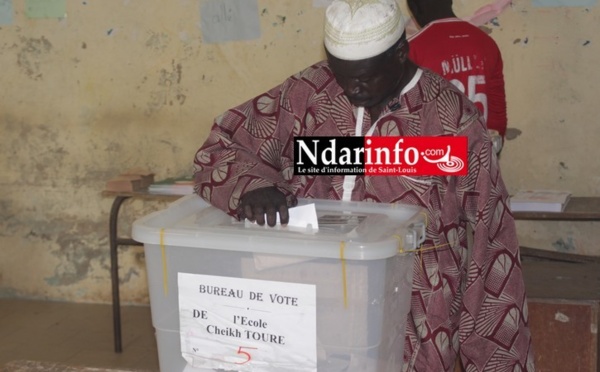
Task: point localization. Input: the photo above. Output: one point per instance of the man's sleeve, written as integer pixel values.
(494, 326)
(497, 119)
(245, 150)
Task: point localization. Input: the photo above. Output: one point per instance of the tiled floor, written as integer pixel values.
(75, 334)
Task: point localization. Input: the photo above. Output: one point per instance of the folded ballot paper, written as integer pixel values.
(303, 218)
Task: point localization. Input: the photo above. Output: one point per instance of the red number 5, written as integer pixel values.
(248, 356)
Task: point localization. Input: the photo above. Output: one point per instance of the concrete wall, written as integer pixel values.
(551, 79)
(118, 84)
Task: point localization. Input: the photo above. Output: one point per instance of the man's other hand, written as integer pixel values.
(268, 200)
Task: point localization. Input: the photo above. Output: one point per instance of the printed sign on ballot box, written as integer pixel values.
(247, 325)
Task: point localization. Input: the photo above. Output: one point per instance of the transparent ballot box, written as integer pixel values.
(330, 295)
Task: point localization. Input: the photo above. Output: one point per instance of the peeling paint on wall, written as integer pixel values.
(76, 245)
(170, 91)
(562, 245)
(512, 133)
(41, 146)
(9, 223)
(120, 89)
(131, 272)
(31, 56)
(280, 21)
(8, 292)
(158, 41)
(521, 41)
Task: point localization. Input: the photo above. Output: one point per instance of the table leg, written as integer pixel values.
(114, 270)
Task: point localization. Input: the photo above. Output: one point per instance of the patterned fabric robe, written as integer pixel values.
(470, 302)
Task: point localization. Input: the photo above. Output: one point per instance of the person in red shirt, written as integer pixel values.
(463, 54)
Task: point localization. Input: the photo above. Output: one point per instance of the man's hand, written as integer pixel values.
(268, 200)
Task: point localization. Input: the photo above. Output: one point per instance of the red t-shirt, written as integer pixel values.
(470, 59)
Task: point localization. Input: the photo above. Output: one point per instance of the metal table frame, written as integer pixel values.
(115, 243)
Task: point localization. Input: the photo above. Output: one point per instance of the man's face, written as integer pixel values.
(368, 82)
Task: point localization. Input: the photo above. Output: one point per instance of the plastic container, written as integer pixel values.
(356, 261)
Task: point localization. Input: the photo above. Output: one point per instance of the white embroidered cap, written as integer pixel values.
(359, 29)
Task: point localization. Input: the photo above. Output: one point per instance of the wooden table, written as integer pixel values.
(563, 291)
(579, 209)
(558, 275)
(116, 242)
